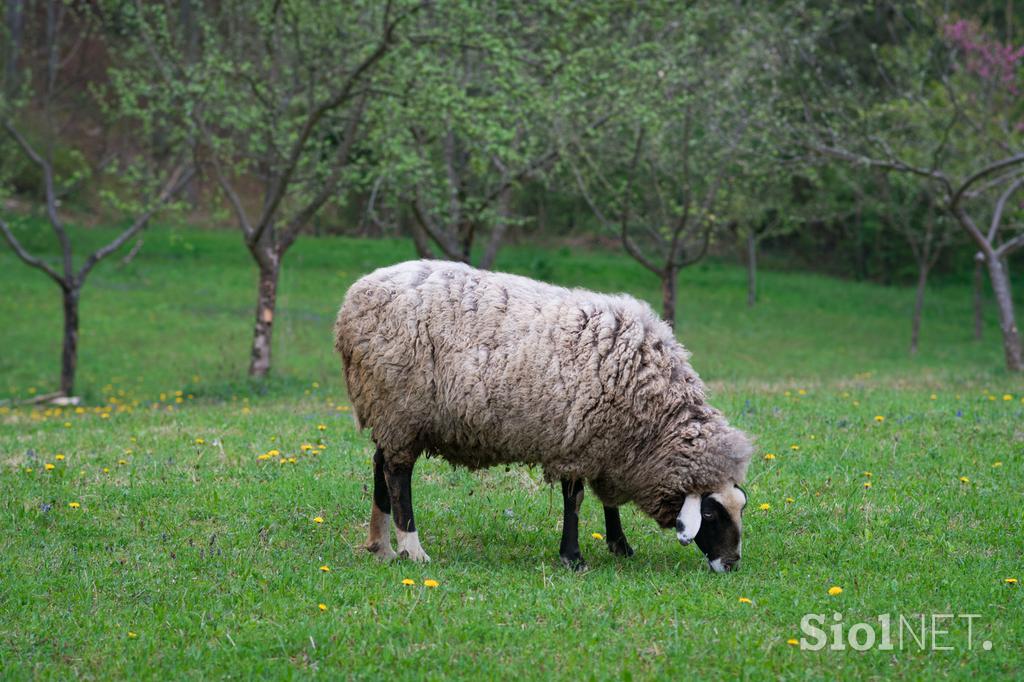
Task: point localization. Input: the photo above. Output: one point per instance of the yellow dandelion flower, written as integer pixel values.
(964, 479)
(1007, 397)
(802, 392)
(200, 441)
(106, 470)
(49, 467)
(996, 465)
(868, 474)
(122, 462)
(992, 397)
(769, 456)
(879, 418)
(597, 536)
(318, 519)
(305, 447)
(408, 581)
(430, 583)
(325, 568)
(790, 499)
(28, 470)
(765, 506)
(744, 600)
(264, 457)
(794, 447)
(67, 425)
(74, 505)
(59, 457)
(322, 607)
(321, 427)
(132, 635)
(793, 642)
(274, 453)
(1010, 581)
(933, 397)
(834, 590)
(292, 460)
(867, 484)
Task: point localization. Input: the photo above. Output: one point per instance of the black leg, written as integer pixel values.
(381, 496)
(379, 542)
(613, 534)
(399, 480)
(572, 499)
(399, 484)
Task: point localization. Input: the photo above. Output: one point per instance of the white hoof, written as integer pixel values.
(409, 547)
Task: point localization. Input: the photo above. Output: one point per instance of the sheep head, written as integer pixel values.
(715, 521)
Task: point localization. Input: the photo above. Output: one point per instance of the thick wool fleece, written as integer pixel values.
(485, 368)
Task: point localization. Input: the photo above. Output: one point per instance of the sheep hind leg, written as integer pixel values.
(613, 534)
(399, 480)
(379, 542)
(569, 550)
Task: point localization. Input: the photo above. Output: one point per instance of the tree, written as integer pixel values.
(661, 169)
(277, 94)
(33, 121)
(481, 88)
(943, 106)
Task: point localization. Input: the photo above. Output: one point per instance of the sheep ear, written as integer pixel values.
(688, 521)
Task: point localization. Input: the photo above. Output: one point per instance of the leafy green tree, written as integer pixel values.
(43, 99)
(940, 103)
(481, 89)
(686, 84)
(276, 94)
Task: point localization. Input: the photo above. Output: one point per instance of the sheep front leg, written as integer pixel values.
(569, 551)
(399, 480)
(613, 534)
(379, 542)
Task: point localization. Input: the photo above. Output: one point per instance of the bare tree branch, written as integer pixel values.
(1008, 162)
(179, 178)
(28, 258)
(997, 213)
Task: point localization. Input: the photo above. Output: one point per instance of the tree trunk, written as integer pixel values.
(420, 239)
(668, 296)
(498, 231)
(915, 322)
(1000, 281)
(751, 270)
(979, 283)
(69, 350)
(266, 302)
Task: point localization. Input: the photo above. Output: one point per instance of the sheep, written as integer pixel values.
(487, 369)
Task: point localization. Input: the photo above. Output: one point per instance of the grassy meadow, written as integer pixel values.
(179, 523)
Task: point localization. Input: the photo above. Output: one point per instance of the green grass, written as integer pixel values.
(211, 556)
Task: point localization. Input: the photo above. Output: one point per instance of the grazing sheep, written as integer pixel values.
(485, 368)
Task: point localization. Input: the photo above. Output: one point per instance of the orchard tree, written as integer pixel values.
(940, 103)
(50, 94)
(660, 172)
(481, 88)
(276, 96)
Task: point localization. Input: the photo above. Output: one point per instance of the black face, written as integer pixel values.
(719, 535)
